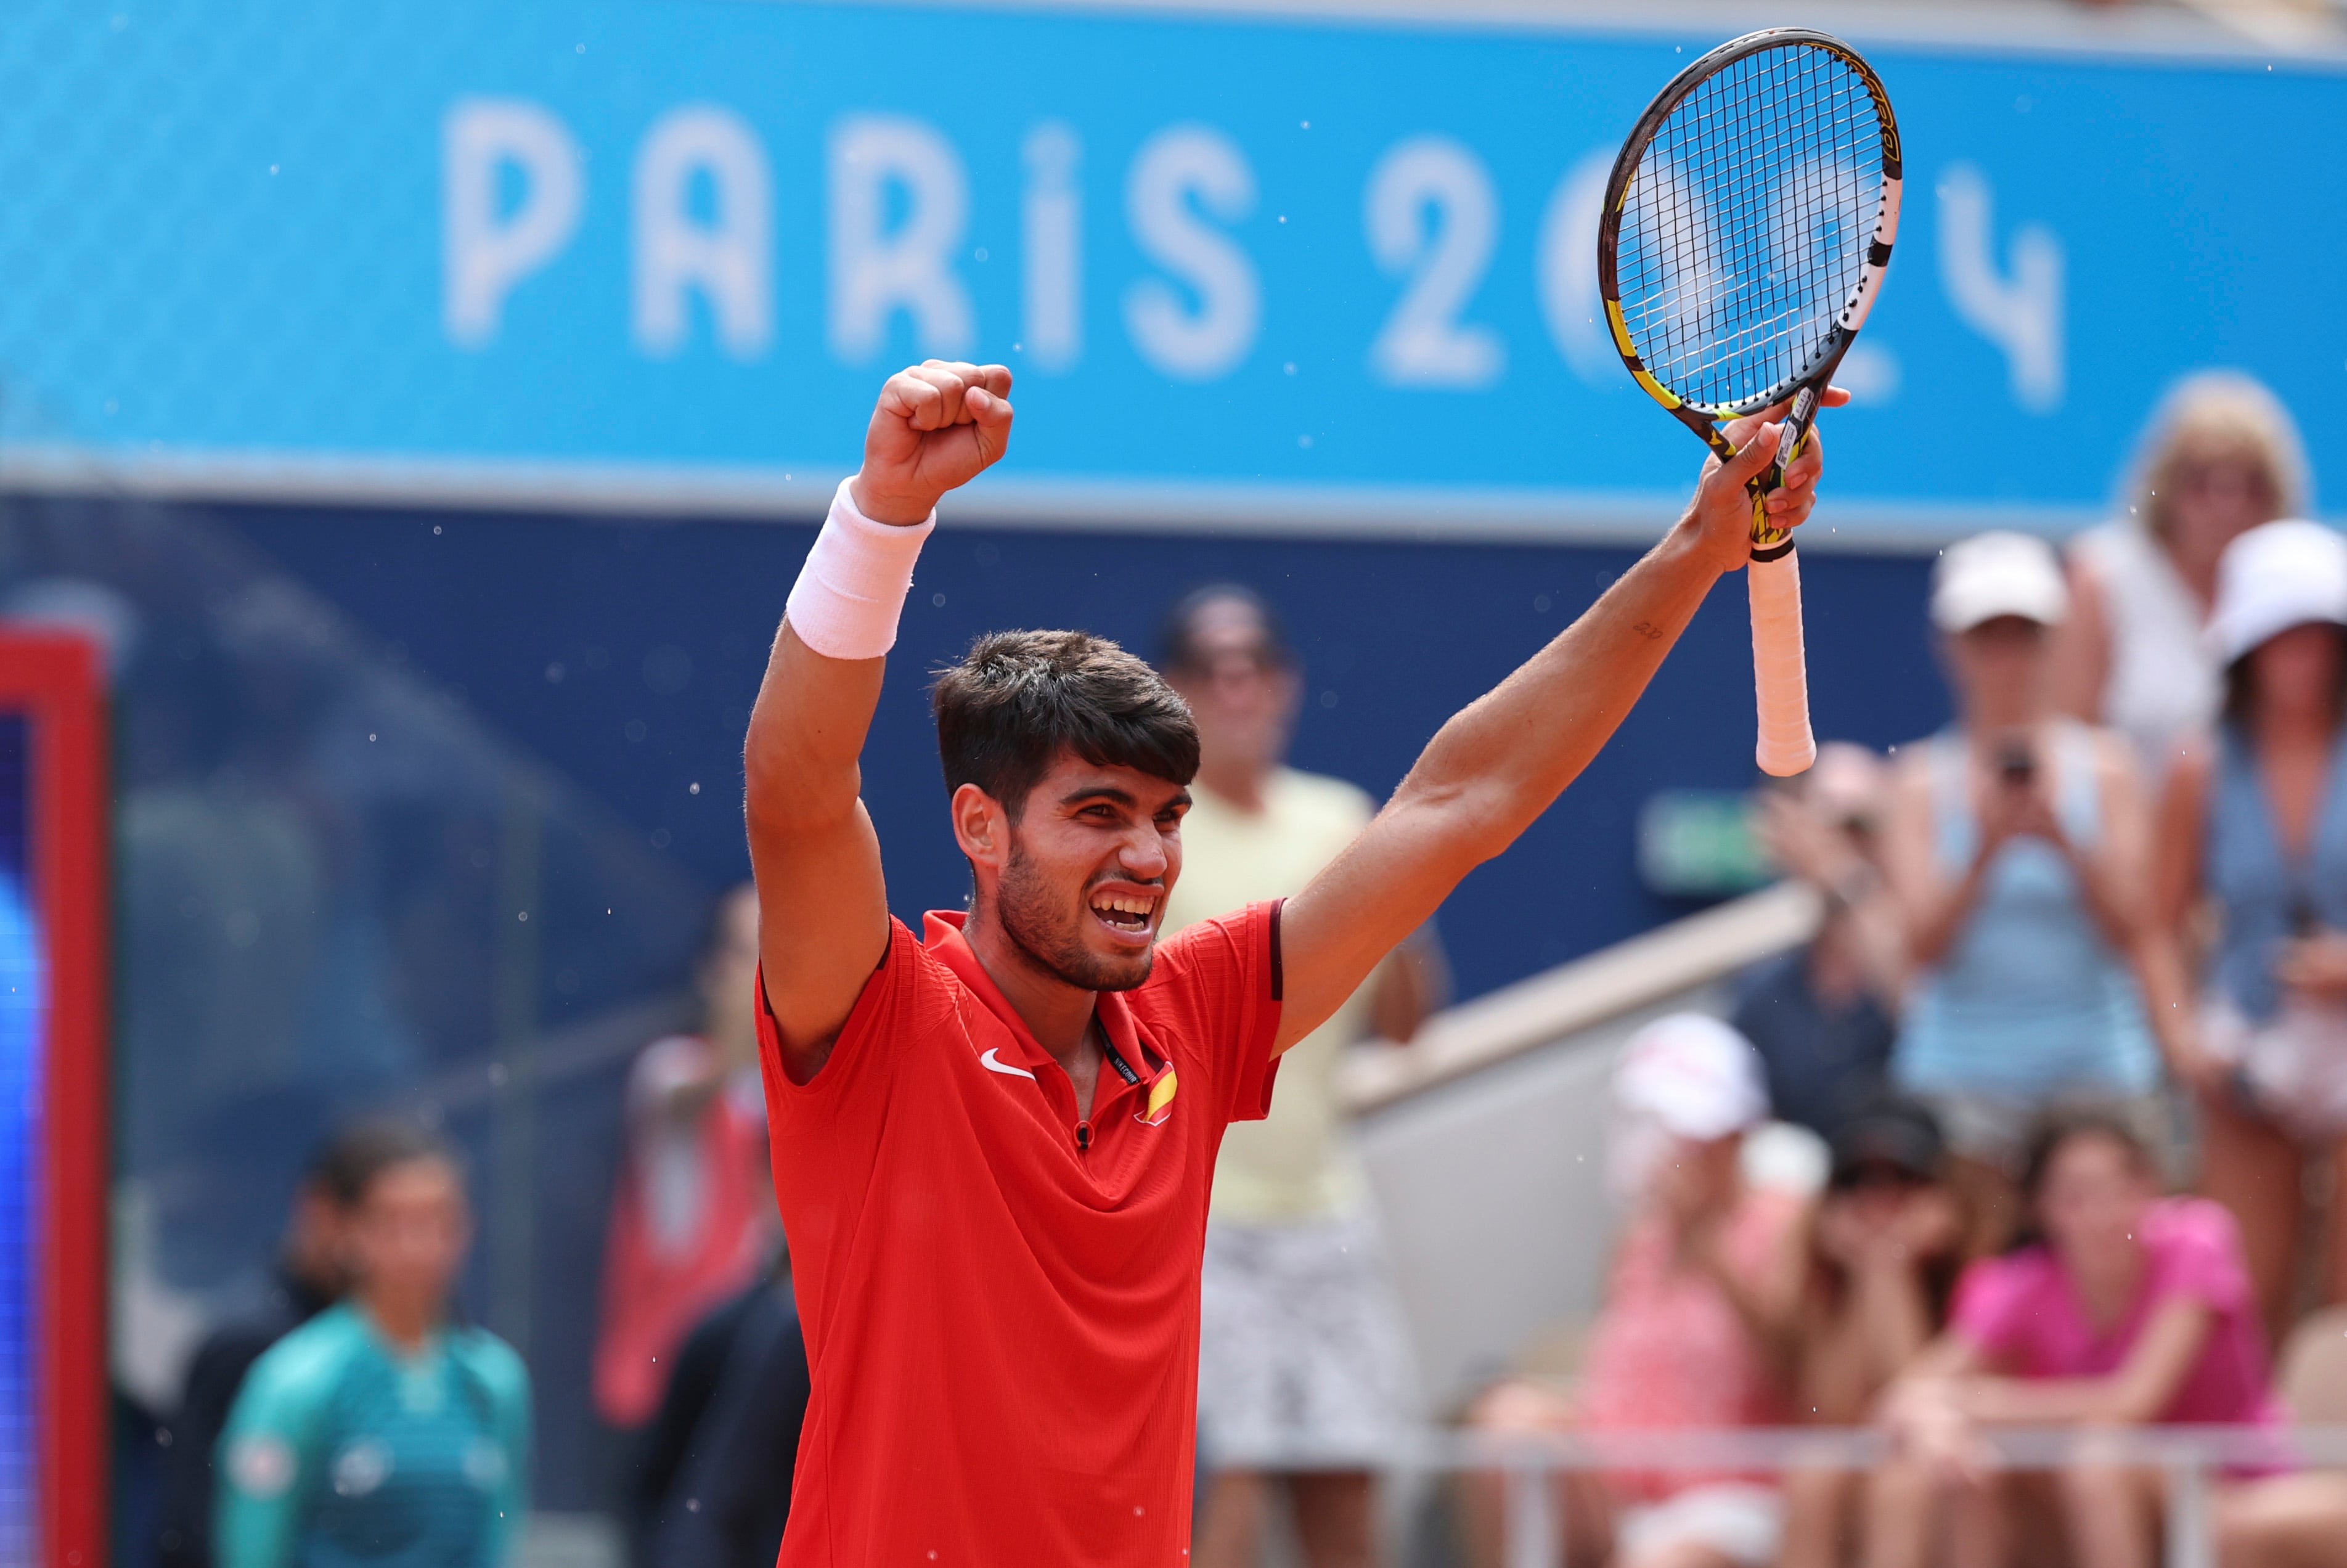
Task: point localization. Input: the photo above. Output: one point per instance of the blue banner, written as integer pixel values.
(1322, 274)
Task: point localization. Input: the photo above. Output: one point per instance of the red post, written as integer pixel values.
(57, 683)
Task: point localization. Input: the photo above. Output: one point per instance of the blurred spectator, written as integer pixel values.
(2253, 830)
(1303, 1369)
(1824, 1017)
(1884, 1250)
(693, 1211)
(1698, 1309)
(310, 1274)
(379, 1431)
(2016, 849)
(2220, 454)
(2133, 1309)
(713, 1489)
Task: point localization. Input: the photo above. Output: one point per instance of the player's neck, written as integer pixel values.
(1057, 1014)
(407, 1324)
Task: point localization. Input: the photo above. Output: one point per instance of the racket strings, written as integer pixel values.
(1748, 222)
(1722, 111)
(1730, 328)
(1729, 325)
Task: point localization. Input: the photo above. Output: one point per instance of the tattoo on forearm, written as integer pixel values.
(1648, 629)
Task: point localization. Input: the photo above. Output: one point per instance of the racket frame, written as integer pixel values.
(1802, 386)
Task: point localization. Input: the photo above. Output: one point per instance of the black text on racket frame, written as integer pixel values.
(1745, 229)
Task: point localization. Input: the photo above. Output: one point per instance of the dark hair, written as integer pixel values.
(2059, 1128)
(1894, 1130)
(1888, 1129)
(1018, 699)
(2241, 688)
(347, 1164)
(1177, 646)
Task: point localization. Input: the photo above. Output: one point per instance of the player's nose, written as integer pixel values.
(1143, 854)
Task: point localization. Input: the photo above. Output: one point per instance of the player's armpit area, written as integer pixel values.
(899, 985)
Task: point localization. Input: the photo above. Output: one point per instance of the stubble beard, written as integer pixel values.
(1040, 925)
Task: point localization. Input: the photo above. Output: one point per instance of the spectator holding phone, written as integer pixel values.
(2253, 830)
(2016, 848)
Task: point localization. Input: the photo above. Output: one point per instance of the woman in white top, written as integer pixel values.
(2220, 455)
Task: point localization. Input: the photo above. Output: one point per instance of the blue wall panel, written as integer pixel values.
(573, 637)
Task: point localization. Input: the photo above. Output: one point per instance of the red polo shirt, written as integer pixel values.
(1001, 1298)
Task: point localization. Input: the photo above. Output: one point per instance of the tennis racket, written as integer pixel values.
(1745, 229)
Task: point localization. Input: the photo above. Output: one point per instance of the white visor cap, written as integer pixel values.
(1995, 574)
(2275, 576)
(1694, 1075)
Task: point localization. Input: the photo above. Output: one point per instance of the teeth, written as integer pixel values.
(1124, 904)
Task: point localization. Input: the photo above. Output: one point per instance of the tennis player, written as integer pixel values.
(993, 1142)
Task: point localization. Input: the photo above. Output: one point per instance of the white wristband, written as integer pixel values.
(852, 587)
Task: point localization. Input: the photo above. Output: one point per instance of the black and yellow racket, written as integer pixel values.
(1745, 229)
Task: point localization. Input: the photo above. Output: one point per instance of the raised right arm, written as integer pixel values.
(823, 909)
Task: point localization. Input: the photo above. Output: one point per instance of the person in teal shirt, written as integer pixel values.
(379, 1432)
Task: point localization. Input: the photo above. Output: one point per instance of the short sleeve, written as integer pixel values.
(2197, 1247)
(1992, 1307)
(267, 1450)
(1219, 983)
(905, 991)
(508, 1513)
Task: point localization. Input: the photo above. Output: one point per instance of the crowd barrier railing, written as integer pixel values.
(2189, 1455)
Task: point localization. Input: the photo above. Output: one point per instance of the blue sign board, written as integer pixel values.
(1318, 274)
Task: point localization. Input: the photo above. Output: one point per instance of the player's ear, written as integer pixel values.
(982, 826)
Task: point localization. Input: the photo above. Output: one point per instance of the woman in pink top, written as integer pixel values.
(1697, 1323)
(2135, 1309)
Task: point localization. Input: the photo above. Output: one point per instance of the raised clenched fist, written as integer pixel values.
(937, 426)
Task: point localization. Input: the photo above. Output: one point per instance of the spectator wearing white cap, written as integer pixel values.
(1697, 1323)
(2254, 823)
(2220, 454)
(2016, 849)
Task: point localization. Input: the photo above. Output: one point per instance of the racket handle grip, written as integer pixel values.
(1780, 671)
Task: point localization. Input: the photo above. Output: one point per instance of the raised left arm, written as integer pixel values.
(1503, 759)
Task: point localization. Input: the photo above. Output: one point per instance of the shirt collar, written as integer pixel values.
(943, 934)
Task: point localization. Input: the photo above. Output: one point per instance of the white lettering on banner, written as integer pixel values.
(2023, 315)
(1175, 167)
(1565, 269)
(877, 271)
(728, 257)
(1052, 232)
(1432, 214)
(484, 250)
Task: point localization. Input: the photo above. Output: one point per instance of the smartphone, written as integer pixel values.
(2017, 764)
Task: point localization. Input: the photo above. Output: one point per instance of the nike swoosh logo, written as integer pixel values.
(993, 1064)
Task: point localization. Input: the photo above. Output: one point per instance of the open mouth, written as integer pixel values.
(1127, 914)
